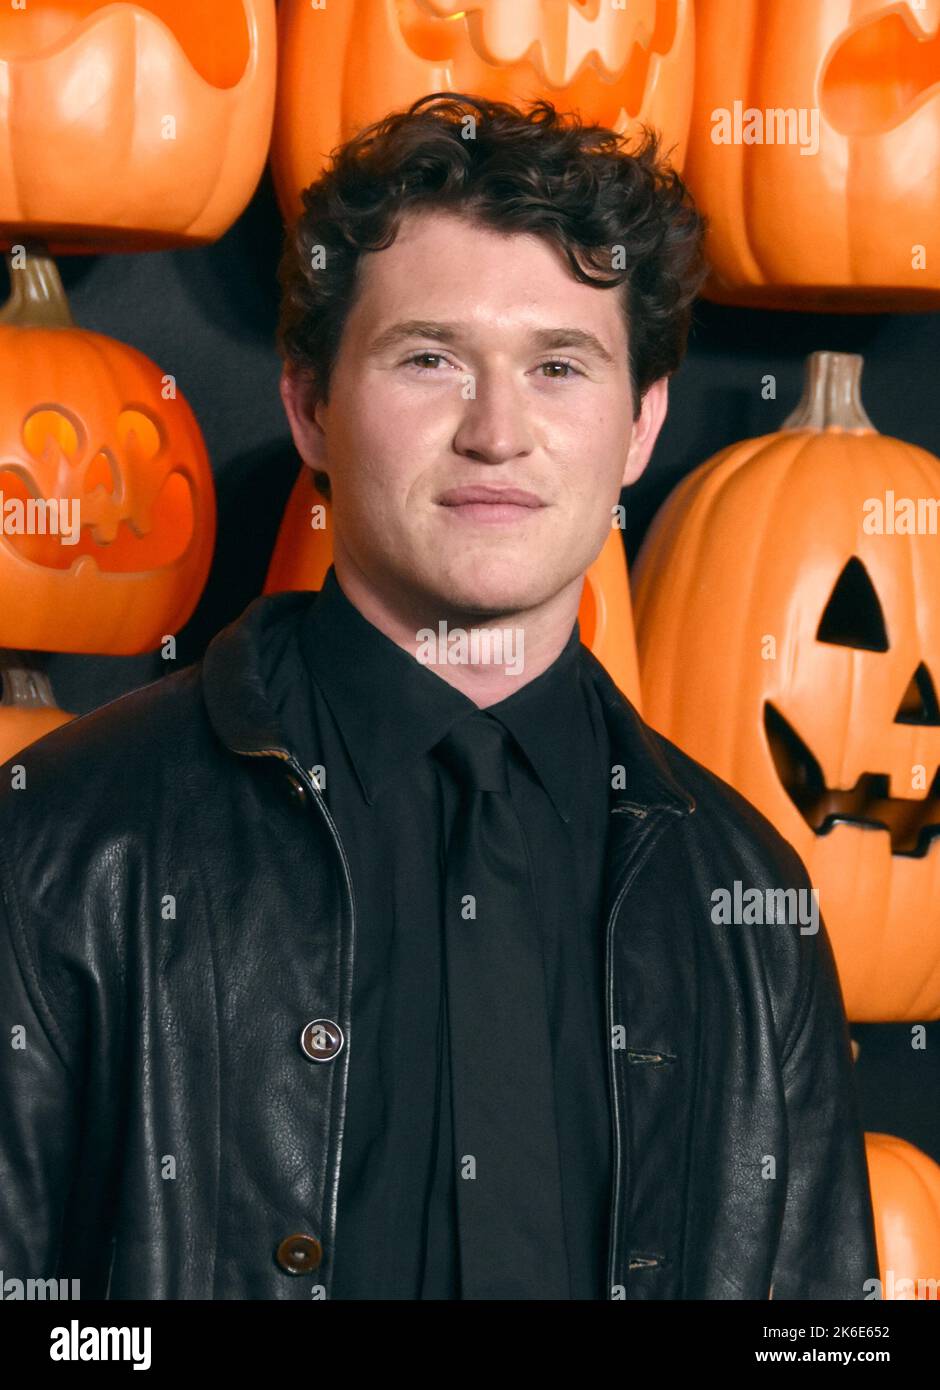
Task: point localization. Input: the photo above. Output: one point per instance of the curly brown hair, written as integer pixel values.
(539, 171)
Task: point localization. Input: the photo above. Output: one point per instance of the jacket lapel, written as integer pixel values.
(644, 790)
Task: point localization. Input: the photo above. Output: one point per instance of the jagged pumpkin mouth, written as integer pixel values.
(214, 35)
(565, 44)
(116, 544)
(912, 824)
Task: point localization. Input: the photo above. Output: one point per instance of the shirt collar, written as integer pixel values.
(391, 709)
(543, 717)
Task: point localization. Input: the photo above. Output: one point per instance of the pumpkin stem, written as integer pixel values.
(37, 296)
(831, 399)
(23, 685)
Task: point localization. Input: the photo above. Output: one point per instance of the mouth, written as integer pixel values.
(913, 825)
(490, 504)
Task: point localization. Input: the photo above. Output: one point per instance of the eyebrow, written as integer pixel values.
(452, 333)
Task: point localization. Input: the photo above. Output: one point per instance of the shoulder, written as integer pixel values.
(84, 792)
(724, 815)
(76, 813)
(108, 750)
(721, 850)
(714, 816)
(770, 915)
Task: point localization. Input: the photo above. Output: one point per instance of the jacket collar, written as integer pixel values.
(245, 720)
(649, 781)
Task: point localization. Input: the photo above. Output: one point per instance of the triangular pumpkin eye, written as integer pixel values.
(919, 703)
(853, 616)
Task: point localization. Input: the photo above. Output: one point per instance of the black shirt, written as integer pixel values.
(356, 705)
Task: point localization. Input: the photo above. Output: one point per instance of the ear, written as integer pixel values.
(309, 438)
(646, 428)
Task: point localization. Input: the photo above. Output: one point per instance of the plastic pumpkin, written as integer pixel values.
(849, 218)
(346, 65)
(21, 727)
(132, 126)
(905, 1191)
(303, 553)
(795, 651)
(122, 557)
(27, 705)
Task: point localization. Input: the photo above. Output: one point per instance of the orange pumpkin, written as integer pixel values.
(303, 553)
(21, 727)
(795, 651)
(84, 424)
(130, 127)
(905, 1191)
(854, 221)
(346, 65)
(27, 705)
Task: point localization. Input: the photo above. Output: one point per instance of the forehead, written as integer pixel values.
(443, 261)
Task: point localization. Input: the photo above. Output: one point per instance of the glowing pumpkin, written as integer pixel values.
(132, 126)
(303, 553)
(346, 65)
(121, 557)
(855, 221)
(905, 1192)
(795, 651)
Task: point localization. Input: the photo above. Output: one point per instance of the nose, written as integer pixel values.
(494, 426)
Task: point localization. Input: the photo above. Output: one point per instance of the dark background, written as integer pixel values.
(208, 317)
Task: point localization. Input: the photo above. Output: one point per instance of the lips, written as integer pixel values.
(512, 496)
(913, 825)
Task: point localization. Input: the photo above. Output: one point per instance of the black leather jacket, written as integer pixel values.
(176, 907)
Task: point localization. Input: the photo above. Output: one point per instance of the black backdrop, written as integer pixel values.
(208, 316)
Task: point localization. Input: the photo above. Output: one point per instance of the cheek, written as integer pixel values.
(391, 423)
(387, 463)
(594, 451)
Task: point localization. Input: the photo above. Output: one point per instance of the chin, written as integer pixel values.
(493, 588)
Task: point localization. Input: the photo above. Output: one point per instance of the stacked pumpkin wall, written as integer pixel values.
(124, 127)
(206, 314)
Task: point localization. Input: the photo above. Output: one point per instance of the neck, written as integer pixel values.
(485, 656)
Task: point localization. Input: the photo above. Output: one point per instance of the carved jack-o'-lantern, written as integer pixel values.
(905, 1193)
(121, 557)
(794, 648)
(132, 126)
(304, 552)
(346, 65)
(814, 149)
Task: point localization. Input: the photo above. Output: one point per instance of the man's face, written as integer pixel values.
(473, 359)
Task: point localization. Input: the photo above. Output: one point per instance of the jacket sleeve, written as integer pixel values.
(827, 1245)
(38, 1116)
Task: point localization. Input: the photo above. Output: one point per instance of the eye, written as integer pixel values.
(561, 362)
(417, 356)
(853, 616)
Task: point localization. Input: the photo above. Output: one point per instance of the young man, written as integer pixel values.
(338, 968)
